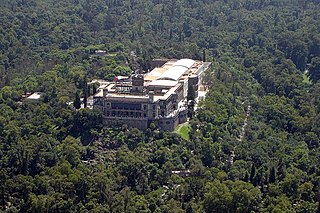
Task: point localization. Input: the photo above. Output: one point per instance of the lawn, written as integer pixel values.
(183, 130)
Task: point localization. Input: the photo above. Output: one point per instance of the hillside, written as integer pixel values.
(252, 146)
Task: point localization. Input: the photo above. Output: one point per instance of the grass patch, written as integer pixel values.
(183, 130)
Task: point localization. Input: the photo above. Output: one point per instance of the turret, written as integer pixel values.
(137, 83)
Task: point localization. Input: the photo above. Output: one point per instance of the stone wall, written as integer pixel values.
(168, 124)
(140, 123)
(183, 116)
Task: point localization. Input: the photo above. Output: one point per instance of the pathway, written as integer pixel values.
(242, 133)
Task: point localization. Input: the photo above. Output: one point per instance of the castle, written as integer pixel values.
(159, 96)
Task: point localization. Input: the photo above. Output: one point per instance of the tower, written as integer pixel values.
(137, 83)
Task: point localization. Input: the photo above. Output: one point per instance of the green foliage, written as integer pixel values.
(252, 145)
(77, 102)
(231, 197)
(314, 69)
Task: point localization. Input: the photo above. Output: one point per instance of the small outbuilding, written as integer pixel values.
(35, 96)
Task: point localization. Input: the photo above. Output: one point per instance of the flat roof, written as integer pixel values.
(167, 83)
(185, 63)
(154, 74)
(171, 70)
(35, 96)
(158, 71)
(171, 91)
(174, 73)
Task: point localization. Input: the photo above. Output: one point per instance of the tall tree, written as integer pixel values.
(85, 92)
(314, 70)
(77, 102)
(272, 177)
(252, 174)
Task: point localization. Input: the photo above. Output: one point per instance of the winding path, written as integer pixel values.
(242, 133)
(245, 123)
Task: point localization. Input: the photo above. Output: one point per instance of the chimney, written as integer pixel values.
(151, 96)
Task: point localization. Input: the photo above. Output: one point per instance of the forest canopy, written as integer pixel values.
(252, 146)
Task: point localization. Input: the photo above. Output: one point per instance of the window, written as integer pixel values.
(127, 106)
(174, 107)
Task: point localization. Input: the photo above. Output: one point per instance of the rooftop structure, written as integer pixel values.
(100, 52)
(35, 96)
(159, 96)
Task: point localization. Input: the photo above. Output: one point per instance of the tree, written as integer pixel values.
(245, 197)
(252, 174)
(3, 188)
(94, 89)
(229, 196)
(260, 56)
(85, 93)
(70, 150)
(191, 93)
(272, 177)
(314, 70)
(77, 102)
(139, 204)
(217, 197)
(85, 100)
(279, 204)
(191, 100)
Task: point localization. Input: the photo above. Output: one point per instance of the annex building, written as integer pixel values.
(159, 96)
